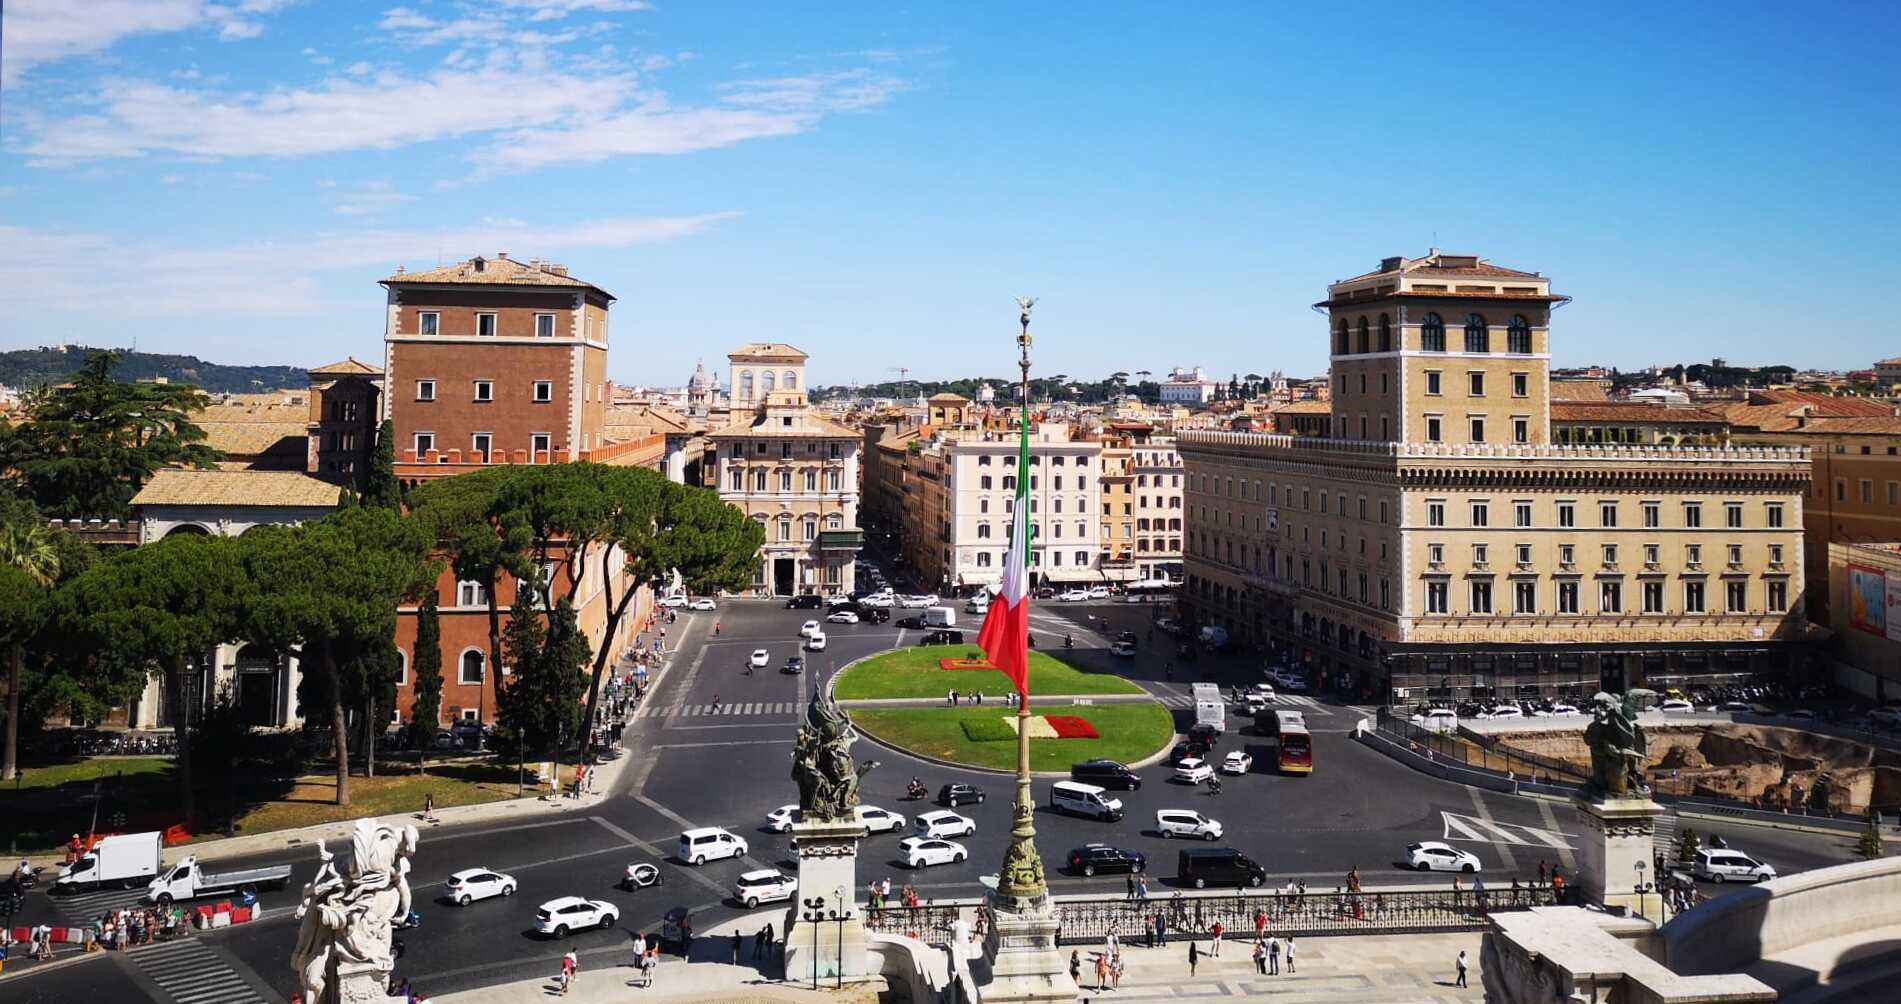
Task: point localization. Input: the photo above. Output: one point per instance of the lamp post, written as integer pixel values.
(1642, 888)
(841, 914)
(813, 913)
(1021, 878)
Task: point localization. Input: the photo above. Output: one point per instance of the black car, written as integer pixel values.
(1205, 734)
(953, 795)
(1128, 636)
(1092, 858)
(805, 601)
(874, 615)
(913, 622)
(795, 664)
(1105, 774)
(1188, 750)
(943, 636)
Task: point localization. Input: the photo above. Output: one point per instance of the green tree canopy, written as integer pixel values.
(87, 447)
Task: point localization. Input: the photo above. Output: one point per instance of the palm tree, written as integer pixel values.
(26, 551)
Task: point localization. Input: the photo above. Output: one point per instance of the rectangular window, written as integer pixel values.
(428, 322)
(1521, 513)
(1736, 596)
(1478, 428)
(1693, 597)
(1480, 554)
(469, 593)
(1693, 555)
(425, 390)
(1778, 595)
(1692, 514)
(1610, 555)
(542, 444)
(1435, 513)
(1521, 385)
(1867, 492)
(1610, 597)
(1481, 513)
(544, 325)
(1653, 596)
(1524, 597)
(485, 390)
(1524, 555)
(1435, 597)
(1653, 515)
(1607, 514)
(1567, 514)
(739, 480)
(485, 325)
(1772, 512)
(544, 391)
(1521, 429)
(1735, 555)
(1475, 383)
(1432, 383)
(425, 441)
(1653, 555)
(1567, 554)
(480, 443)
(1733, 515)
(1568, 596)
(1482, 597)
(1433, 432)
(1775, 555)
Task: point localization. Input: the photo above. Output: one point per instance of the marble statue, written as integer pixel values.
(822, 764)
(1618, 748)
(344, 947)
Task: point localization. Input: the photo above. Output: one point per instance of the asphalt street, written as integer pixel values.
(690, 766)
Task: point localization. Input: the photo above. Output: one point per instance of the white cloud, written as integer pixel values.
(172, 179)
(44, 31)
(370, 198)
(546, 9)
(317, 57)
(358, 69)
(56, 272)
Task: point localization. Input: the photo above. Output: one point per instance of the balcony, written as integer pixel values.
(841, 541)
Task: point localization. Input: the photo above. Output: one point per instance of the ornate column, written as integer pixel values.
(825, 935)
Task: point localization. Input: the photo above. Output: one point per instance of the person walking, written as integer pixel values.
(570, 963)
(1273, 955)
(1142, 887)
(1148, 930)
(715, 710)
(1076, 966)
(1102, 971)
(1287, 950)
(1214, 937)
(1131, 892)
(1260, 923)
(950, 697)
(1194, 958)
(1115, 972)
(735, 948)
(429, 807)
(1461, 964)
(1260, 957)
(1161, 930)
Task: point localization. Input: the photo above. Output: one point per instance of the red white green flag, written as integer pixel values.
(1005, 636)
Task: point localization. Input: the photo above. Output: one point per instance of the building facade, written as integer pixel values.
(1189, 386)
(1461, 553)
(759, 370)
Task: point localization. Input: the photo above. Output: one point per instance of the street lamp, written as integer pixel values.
(813, 913)
(1642, 888)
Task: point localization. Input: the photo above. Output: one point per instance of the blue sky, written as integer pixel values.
(874, 182)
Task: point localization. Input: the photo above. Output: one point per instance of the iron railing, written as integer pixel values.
(929, 924)
(1450, 747)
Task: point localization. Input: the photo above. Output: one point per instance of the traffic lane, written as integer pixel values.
(101, 978)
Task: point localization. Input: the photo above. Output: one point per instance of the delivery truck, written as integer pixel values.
(940, 617)
(127, 859)
(187, 880)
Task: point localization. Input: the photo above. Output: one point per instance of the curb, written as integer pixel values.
(1150, 760)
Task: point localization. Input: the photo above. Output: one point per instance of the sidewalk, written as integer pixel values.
(1375, 969)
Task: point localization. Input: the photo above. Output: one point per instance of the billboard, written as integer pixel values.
(1867, 600)
(1894, 606)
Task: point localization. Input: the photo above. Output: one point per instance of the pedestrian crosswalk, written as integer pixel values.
(1306, 704)
(190, 972)
(735, 709)
(84, 907)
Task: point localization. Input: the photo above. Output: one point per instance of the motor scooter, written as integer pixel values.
(916, 792)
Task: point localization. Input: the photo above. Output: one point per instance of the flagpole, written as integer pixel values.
(1022, 874)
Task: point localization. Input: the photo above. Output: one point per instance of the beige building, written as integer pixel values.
(1440, 546)
(793, 470)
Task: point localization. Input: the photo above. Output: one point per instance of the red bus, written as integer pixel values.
(1286, 731)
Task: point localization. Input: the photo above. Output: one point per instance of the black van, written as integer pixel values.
(1105, 774)
(1208, 866)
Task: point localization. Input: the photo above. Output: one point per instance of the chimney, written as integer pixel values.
(399, 270)
(503, 255)
(553, 268)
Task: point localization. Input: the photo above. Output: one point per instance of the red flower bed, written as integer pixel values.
(964, 664)
(1071, 727)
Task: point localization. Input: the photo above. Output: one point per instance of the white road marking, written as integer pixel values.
(1485, 830)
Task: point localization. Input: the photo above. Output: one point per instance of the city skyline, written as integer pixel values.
(1175, 196)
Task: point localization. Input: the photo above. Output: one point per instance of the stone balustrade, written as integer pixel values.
(1496, 451)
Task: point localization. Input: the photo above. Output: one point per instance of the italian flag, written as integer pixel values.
(1005, 637)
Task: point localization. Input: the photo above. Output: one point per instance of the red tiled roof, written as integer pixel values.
(1825, 405)
(1631, 411)
(1578, 390)
(498, 271)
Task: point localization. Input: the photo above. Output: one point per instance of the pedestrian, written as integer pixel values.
(716, 629)
(1353, 879)
(1194, 958)
(1102, 971)
(1214, 936)
(1273, 955)
(980, 697)
(1142, 887)
(1260, 957)
(1542, 871)
(1461, 965)
(1148, 930)
(771, 939)
(1458, 890)
(735, 948)
(1115, 972)
(1288, 951)
(1131, 892)
(1075, 966)
(950, 697)
(758, 944)
(715, 704)
(1260, 923)
(569, 964)
(429, 807)
(1161, 930)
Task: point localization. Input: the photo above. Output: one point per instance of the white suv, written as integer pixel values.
(765, 886)
(572, 913)
(1730, 866)
(943, 824)
(709, 843)
(1187, 823)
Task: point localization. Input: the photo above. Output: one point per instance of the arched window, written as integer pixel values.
(188, 530)
(1432, 334)
(745, 385)
(1478, 337)
(1386, 333)
(790, 381)
(1518, 335)
(1340, 338)
(471, 666)
(766, 382)
(1363, 343)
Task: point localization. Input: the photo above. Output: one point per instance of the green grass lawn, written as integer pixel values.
(1129, 732)
(913, 672)
(55, 775)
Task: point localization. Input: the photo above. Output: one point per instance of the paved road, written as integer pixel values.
(692, 767)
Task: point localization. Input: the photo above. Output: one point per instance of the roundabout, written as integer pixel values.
(903, 699)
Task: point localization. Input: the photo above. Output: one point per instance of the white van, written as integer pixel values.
(1081, 799)
(709, 843)
(1724, 865)
(939, 617)
(979, 604)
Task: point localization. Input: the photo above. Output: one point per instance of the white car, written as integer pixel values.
(809, 628)
(703, 603)
(1436, 856)
(759, 659)
(709, 843)
(780, 820)
(841, 617)
(1194, 770)
(572, 913)
(1676, 705)
(674, 600)
(471, 884)
(917, 852)
(639, 876)
(764, 886)
(1073, 595)
(943, 823)
(1505, 711)
(910, 602)
(1100, 592)
(1562, 709)
(1186, 823)
(1724, 865)
(1125, 649)
(1237, 762)
(815, 642)
(979, 604)
(877, 600)
(880, 820)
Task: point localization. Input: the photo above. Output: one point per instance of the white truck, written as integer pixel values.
(939, 617)
(129, 859)
(187, 880)
(1210, 709)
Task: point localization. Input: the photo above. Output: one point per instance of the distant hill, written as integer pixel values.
(23, 369)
